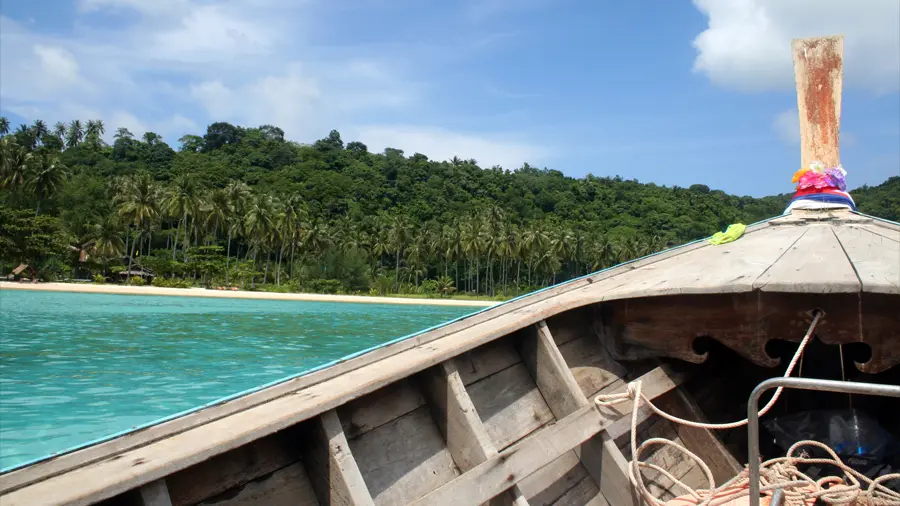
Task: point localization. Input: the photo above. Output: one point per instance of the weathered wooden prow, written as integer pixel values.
(818, 70)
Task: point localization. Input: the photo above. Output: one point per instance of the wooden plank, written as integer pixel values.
(510, 405)
(816, 263)
(729, 268)
(467, 440)
(889, 233)
(608, 467)
(232, 469)
(97, 479)
(336, 477)
(510, 466)
(552, 481)
(653, 384)
(703, 442)
(818, 68)
(155, 493)
(571, 325)
(584, 493)
(875, 258)
(672, 460)
(550, 373)
(512, 497)
(378, 408)
(591, 364)
(404, 459)
(289, 486)
(487, 360)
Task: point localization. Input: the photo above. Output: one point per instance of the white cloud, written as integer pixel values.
(288, 101)
(748, 42)
(173, 66)
(440, 144)
(787, 126)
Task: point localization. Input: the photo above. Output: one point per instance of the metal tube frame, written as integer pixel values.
(799, 384)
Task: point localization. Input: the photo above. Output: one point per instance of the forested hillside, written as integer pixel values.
(243, 206)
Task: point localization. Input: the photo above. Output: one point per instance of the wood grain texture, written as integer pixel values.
(467, 440)
(552, 481)
(510, 405)
(816, 263)
(550, 372)
(289, 486)
(335, 476)
(404, 459)
(818, 72)
(584, 493)
(488, 359)
(232, 469)
(728, 268)
(378, 408)
(510, 466)
(591, 364)
(609, 468)
(875, 258)
(666, 457)
(702, 442)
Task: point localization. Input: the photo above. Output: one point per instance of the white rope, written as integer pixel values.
(779, 473)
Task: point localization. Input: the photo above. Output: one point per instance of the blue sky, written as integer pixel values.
(664, 91)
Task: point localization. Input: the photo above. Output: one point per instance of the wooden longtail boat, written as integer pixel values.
(496, 408)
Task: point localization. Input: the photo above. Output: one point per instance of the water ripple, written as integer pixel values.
(78, 367)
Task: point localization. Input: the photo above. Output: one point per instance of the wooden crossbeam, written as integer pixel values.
(510, 466)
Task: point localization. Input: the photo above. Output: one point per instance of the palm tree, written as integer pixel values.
(182, 201)
(260, 220)
(138, 205)
(399, 238)
(236, 195)
(15, 161)
(59, 130)
(74, 134)
(123, 133)
(39, 129)
(95, 128)
(291, 230)
(25, 135)
(47, 175)
(105, 240)
(4, 125)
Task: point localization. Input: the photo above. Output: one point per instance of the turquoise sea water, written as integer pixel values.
(76, 367)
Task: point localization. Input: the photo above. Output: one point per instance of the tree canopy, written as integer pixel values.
(246, 206)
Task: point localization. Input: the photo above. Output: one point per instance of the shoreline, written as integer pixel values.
(238, 294)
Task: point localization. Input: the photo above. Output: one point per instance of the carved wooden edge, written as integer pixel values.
(332, 470)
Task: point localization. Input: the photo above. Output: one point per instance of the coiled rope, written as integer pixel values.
(778, 473)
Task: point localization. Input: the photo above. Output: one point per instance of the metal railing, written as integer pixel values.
(799, 384)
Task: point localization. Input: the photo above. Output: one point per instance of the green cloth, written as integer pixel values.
(732, 233)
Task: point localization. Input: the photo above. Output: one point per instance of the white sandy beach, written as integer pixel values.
(203, 292)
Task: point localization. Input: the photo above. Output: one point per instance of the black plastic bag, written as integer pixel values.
(855, 437)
